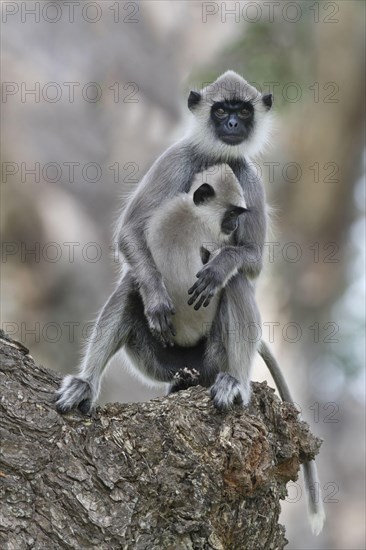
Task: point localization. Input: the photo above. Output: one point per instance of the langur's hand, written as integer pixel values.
(159, 310)
(209, 281)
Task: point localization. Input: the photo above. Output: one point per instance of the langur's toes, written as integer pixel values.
(85, 406)
(74, 393)
(226, 392)
(62, 408)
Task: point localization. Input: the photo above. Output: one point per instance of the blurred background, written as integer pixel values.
(92, 92)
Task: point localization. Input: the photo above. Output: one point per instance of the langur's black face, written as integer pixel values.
(230, 220)
(233, 120)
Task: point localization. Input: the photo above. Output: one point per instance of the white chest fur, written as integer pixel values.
(175, 238)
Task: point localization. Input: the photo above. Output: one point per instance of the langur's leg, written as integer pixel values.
(239, 322)
(110, 333)
(122, 322)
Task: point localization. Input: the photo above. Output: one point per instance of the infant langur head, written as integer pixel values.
(231, 118)
(219, 200)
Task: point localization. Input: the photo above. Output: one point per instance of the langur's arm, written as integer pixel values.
(161, 183)
(245, 256)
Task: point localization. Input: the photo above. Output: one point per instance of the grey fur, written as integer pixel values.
(226, 391)
(139, 314)
(175, 235)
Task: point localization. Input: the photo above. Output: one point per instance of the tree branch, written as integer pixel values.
(172, 473)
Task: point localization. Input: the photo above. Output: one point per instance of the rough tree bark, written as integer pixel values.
(172, 473)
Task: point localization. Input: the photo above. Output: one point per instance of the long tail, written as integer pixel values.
(316, 511)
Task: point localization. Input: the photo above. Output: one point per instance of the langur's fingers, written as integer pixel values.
(193, 287)
(200, 302)
(208, 299)
(194, 298)
(170, 333)
(172, 310)
(199, 289)
(157, 332)
(172, 329)
(200, 284)
(165, 331)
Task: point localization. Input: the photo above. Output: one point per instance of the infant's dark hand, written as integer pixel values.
(209, 282)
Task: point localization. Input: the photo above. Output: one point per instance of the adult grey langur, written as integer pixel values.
(230, 123)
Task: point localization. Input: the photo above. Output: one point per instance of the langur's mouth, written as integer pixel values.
(232, 140)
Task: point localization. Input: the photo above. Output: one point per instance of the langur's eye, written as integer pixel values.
(220, 112)
(244, 113)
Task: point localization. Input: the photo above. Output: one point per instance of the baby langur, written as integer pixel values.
(183, 234)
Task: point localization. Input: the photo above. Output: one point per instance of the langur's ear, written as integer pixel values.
(203, 193)
(267, 100)
(193, 99)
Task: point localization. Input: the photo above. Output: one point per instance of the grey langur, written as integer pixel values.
(230, 123)
(182, 236)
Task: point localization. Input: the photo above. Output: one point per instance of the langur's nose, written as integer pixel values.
(233, 123)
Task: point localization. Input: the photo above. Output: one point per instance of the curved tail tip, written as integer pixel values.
(316, 520)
